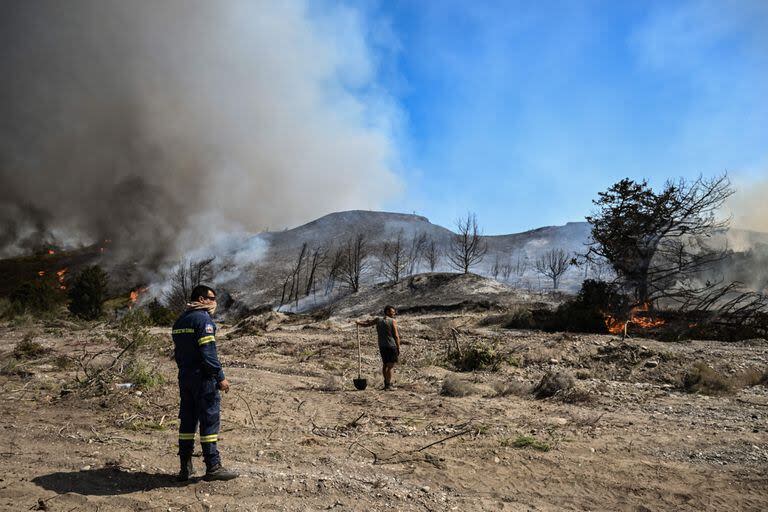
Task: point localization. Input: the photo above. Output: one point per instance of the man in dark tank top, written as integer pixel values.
(389, 341)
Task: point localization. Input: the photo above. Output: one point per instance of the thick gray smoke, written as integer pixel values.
(154, 123)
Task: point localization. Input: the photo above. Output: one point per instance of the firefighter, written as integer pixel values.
(200, 379)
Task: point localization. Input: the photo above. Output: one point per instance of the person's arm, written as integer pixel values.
(366, 323)
(206, 342)
(397, 333)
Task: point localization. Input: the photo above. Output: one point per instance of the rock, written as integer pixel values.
(425, 488)
(85, 468)
(553, 361)
(651, 364)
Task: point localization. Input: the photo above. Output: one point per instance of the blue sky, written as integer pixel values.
(523, 111)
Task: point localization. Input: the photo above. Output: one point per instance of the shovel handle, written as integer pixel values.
(359, 354)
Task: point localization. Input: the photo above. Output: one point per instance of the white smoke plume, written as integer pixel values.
(749, 205)
(156, 123)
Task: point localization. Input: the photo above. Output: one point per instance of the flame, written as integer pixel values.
(41, 273)
(61, 275)
(637, 317)
(134, 295)
(614, 325)
(51, 251)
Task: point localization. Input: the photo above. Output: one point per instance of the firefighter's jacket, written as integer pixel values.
(194, 340)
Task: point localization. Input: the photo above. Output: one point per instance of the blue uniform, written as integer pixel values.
(194, 340)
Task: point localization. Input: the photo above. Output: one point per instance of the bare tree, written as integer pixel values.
(520, 266)
(432, 254)
(506, 270)
(496, 267)
(467, 246)
(355, 250)
(394, 258)
(185, 277)
(296, 274)
(317, 258)
(299, 280)
(417, 248)
(553, 264)
(335, 266)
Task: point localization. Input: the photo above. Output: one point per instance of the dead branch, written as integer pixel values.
(238, 395)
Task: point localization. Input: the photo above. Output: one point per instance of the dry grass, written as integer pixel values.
(455, 386)
(511, 388)
(704, 379)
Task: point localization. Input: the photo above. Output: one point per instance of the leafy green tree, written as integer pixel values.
(656, 242)
(88, 292)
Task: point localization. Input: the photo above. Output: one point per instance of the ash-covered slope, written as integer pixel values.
(428, 292)
(261, 282)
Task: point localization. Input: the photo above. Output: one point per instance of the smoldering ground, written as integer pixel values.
(155, 123)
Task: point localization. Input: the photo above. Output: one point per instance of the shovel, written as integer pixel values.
(360, 383)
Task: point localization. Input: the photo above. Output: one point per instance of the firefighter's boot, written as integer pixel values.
(218, 472)
(187, 470)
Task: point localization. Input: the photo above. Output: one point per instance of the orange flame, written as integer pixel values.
(636, 317)
(134, 295)
(61, 274)
(41, 273)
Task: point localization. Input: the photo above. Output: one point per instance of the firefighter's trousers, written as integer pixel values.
(200, 404)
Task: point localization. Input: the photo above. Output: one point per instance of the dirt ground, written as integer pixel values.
(304, 439)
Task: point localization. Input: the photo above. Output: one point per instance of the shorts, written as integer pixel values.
(389, 355)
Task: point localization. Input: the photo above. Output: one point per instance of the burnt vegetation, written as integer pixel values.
(660, 247)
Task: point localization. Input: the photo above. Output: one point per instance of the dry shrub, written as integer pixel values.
(454, 386)
(331, 383)
(752, 377)
(142, 375)
(528, 442)
(479, 355)
(132, 332)
(539, 355)
(511, 387)
(554, 383)
(514, 319)
(27, 348)
(256, 325)
(576, 396)
(704, 379)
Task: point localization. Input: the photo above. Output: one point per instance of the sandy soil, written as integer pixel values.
(304, 439)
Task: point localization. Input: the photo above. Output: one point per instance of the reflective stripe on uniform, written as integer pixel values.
(186, 437)
(206, 339)
(209, 439)
(183, 331)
